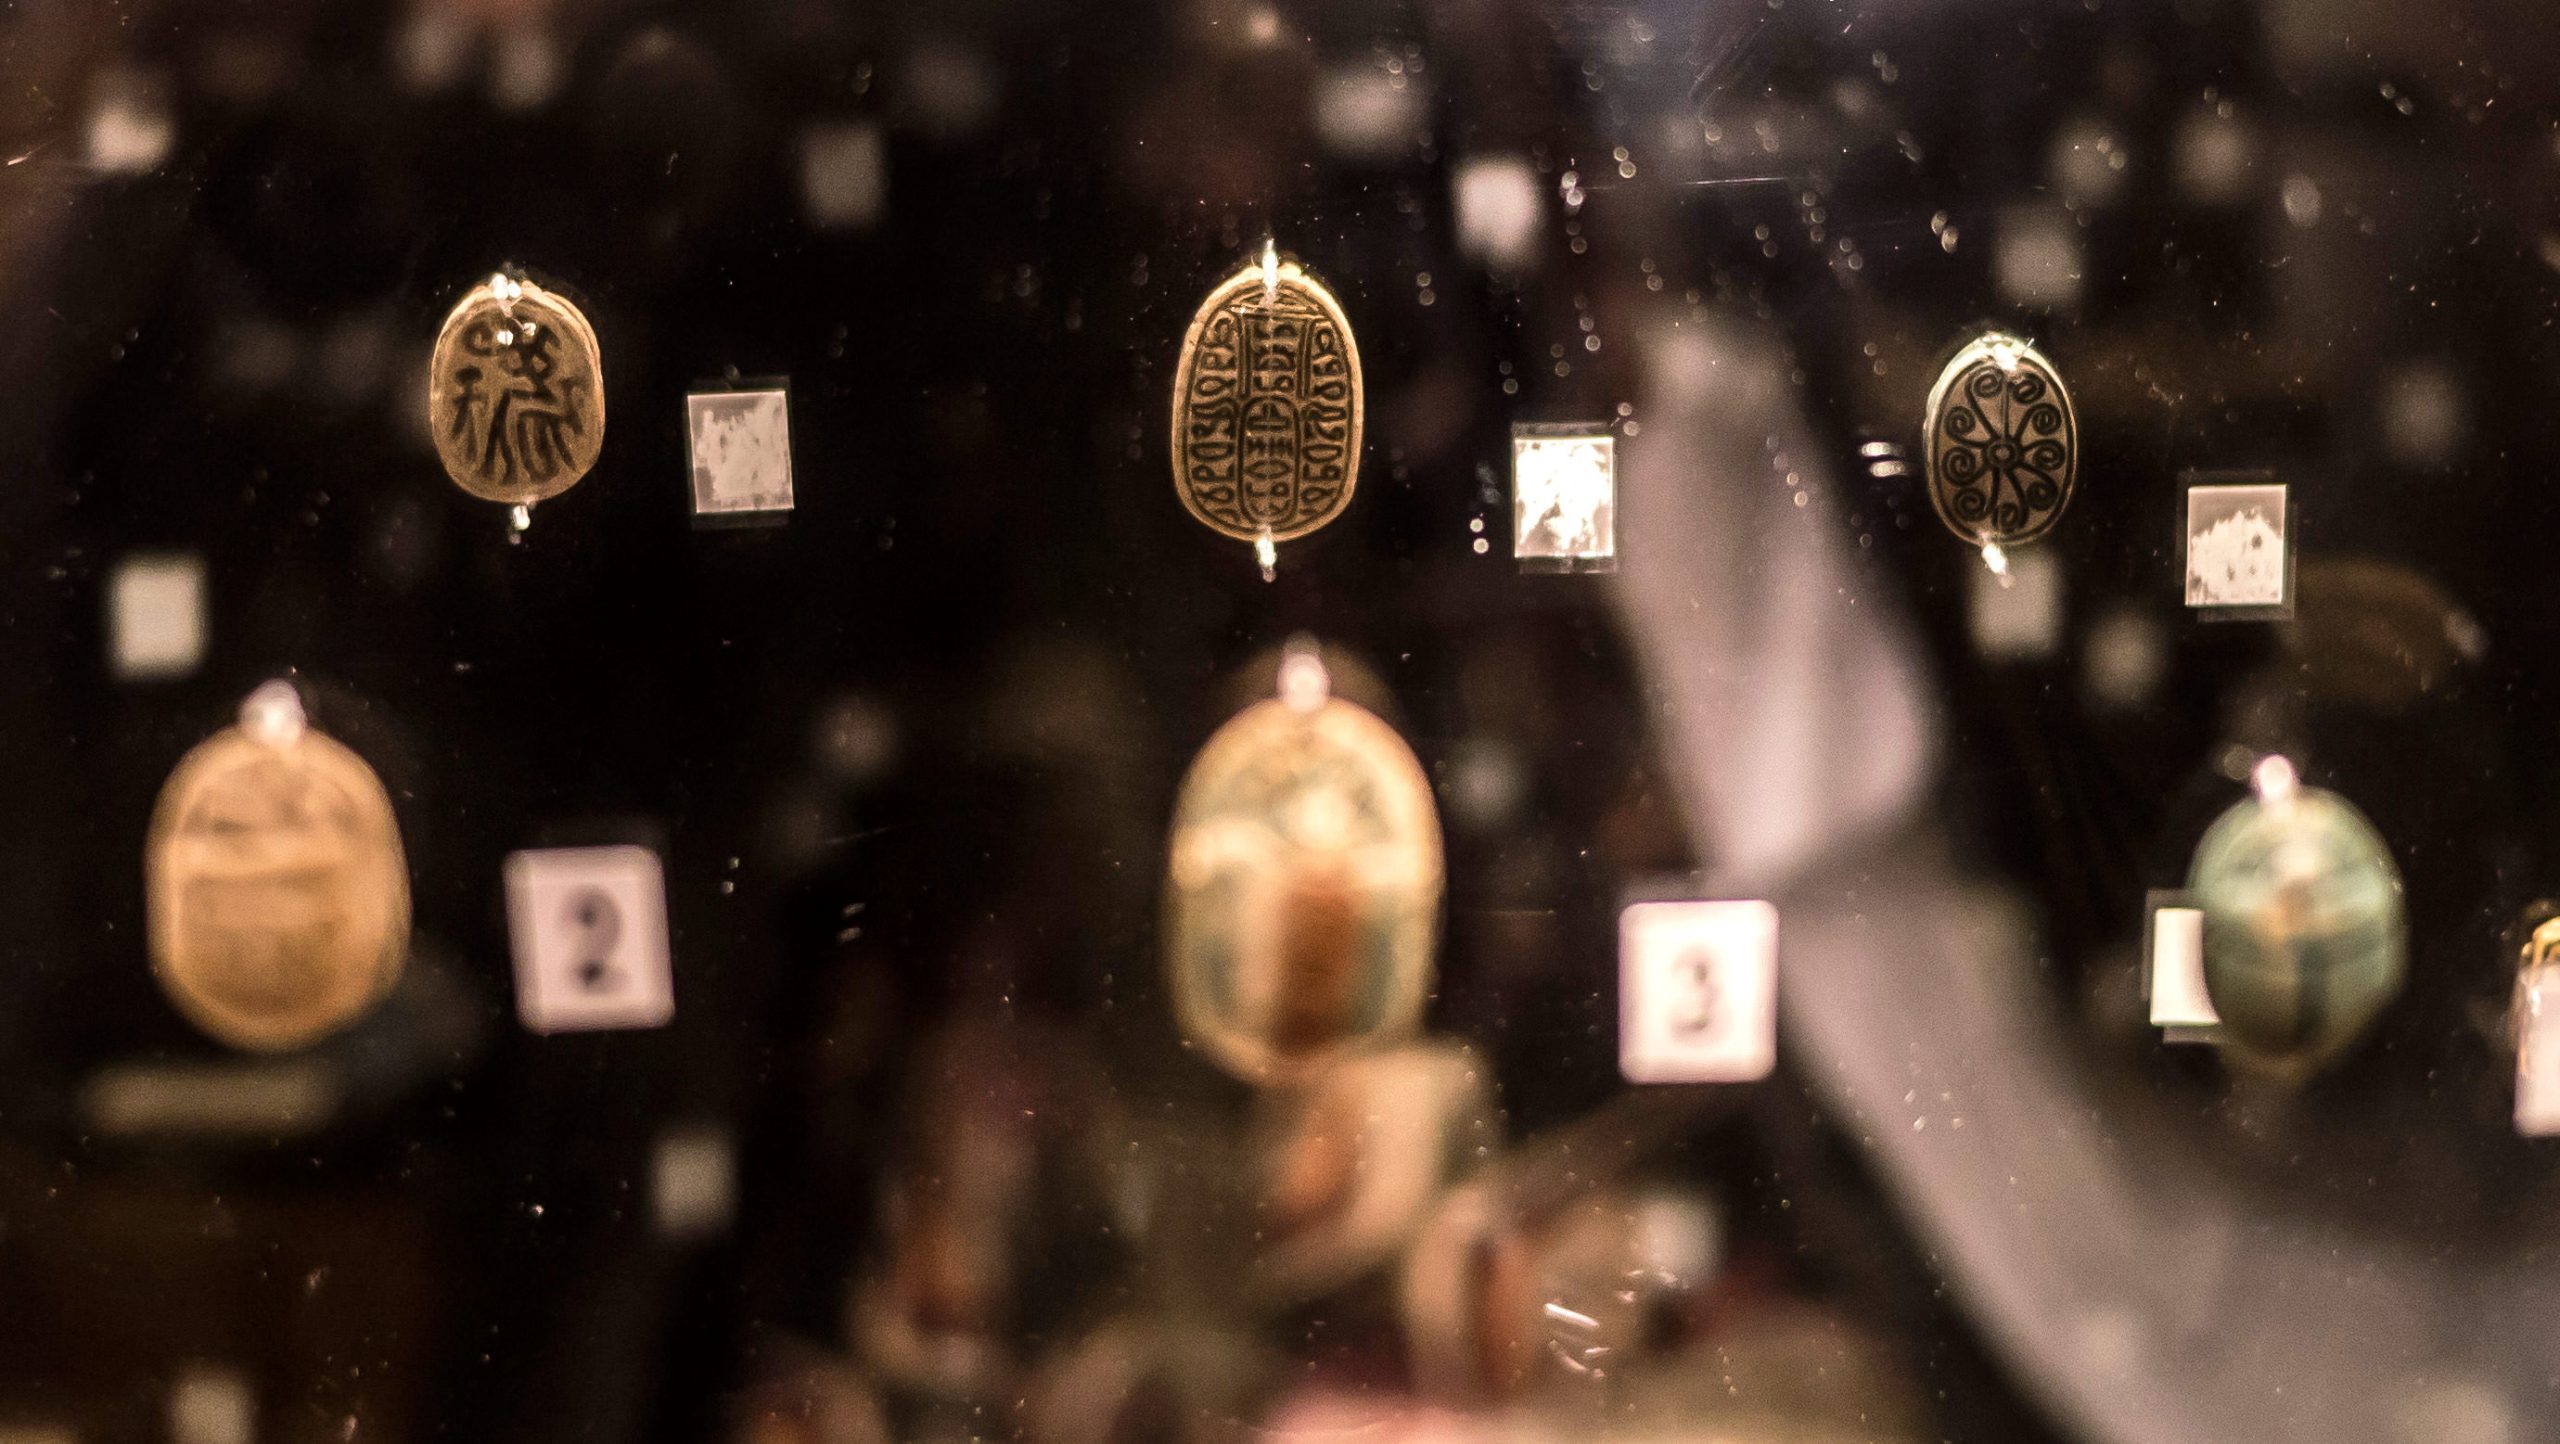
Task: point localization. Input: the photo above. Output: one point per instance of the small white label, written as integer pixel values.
(741, 448)
(155, 608)
(2538, 1053)
(589, 925)
(694, 1183)
(2178, 998)
(1697, 992)
(2017, 611)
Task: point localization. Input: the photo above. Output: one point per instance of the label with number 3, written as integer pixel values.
(1697, 992)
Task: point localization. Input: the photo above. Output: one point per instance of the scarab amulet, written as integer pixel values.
(277, 891)
(2305, 927)
(515, 393)
(1266, 406)
(1304, 892)
(2003, 443)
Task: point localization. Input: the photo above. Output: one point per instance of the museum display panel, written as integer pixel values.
(1836, 729)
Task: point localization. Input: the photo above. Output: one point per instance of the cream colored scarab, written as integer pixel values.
(277, 890)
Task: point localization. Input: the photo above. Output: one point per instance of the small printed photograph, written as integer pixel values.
(741, 447)
(1564, 497)
(2236, 547)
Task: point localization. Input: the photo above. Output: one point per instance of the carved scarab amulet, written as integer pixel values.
(277, 890)
(2306, 935)
(515, 393)
(2003, 446)
(1266, 406)
(1304, 894)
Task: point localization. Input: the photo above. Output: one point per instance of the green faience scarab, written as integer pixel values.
(2305, 930)
(1303, 889)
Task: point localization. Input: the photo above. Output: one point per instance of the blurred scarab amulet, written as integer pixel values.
(2305, 930)
(515, 393)
(1345, 1164)
(278, 894)
(1304, 893)
(2003, 443)
(1266, 406)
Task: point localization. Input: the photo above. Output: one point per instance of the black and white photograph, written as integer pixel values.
(2237, 555)
(1564, 498)
(741, 443)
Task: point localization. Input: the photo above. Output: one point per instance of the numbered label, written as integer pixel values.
(1697, 992)
(589, 926)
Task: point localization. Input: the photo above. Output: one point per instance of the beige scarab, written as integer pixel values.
(515, 393)
(277, 891)
(1303, 899)
(1267, 406)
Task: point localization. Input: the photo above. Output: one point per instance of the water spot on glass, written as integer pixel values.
(2301, 196)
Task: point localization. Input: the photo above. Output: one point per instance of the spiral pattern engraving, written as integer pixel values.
(2004, 443)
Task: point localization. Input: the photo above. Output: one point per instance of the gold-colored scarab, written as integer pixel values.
(515, 393)
(1304, 888)
(2003, 443)
(277, 891)
(1266, 406)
